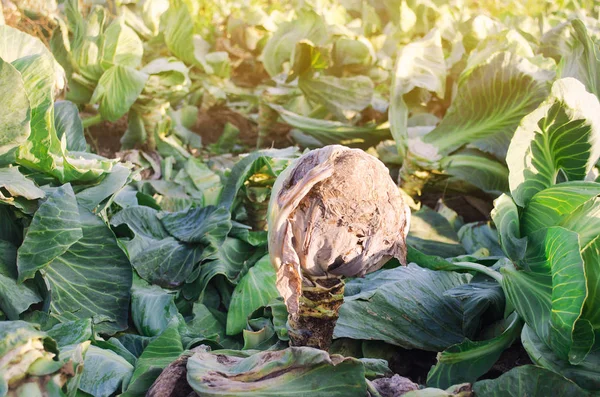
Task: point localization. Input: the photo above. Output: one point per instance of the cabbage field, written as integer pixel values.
(180, 214)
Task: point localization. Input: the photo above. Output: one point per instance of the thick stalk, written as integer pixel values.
(151, 121)
(257, 191)
(91, 121)
(318, 312)
(413, 177)
(257, 213)
(155, 122)
(267, 117)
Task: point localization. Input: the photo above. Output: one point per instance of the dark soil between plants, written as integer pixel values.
(416, 364)
(105, 137)
(514, 356)
(211, 123)
(470, 208)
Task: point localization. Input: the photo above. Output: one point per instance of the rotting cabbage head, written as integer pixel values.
(334, 212)
(27, 362)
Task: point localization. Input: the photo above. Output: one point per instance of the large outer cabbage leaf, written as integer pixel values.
(489, 104)
(278, 50)
(420, 64)
(290, 372)
(478, 169)
(55, 227)
(586, 374)
(560, 139)
(41, 76)
(338, 94)
(15, 113)
(121, 46)
(404, 306)
(104, 372)
(254, 290)
(583, 60)
(550, 206)
(157, 257)
(531, 381)
(92, 278)
(118, 88)
(467, 361)
(552, 294)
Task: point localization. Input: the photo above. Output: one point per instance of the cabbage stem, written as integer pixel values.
(413, 177)
(318, 312)
(92, 120)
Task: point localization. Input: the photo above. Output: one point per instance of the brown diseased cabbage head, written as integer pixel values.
(334, 212)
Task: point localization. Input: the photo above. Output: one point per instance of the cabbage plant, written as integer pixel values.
(103, 60)
(549, 229)
(36, 133)
(334, 212)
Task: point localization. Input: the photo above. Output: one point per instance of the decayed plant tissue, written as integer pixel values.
(334, 213)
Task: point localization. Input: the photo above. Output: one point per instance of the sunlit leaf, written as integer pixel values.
(178, 28)
(560, 136)
(307, 25)
(338, 94)
(331, 132)
(15, 114)
(583, 60)
(420, 64)
(69, 125)
(550, 206)
(489, 105)
(118, 88)
(121, 46)
(477, 169)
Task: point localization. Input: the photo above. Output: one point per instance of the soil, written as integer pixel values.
(470, 208)
(413, 364)
(40, 27)
(105, 137)
(211, 123)
(172, 381)
(514, 356)
(416, 364)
